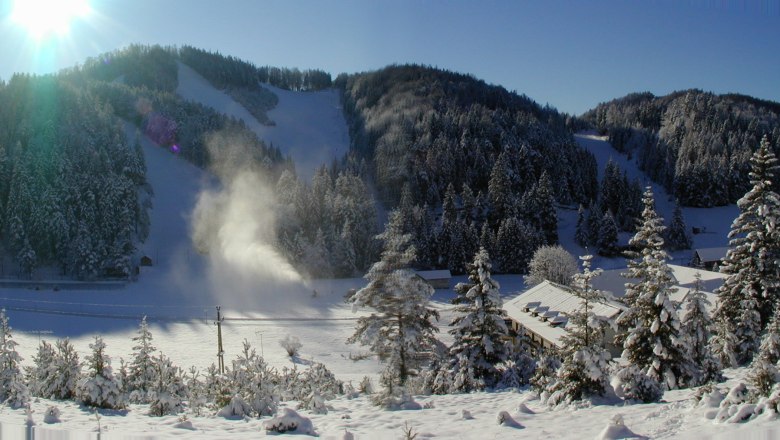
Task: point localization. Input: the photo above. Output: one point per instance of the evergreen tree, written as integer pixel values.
(677, 236)
(749, 294)
(41, 374)
(516, 243)
(650, 326)
(167, 394)
(13, 389)
(697, 329)
(99, 387)
(66, 371)
(545, 204)
(142, 373)
(581, 235)
(502, 202)
(479, 330)
(608, 235)
(764, 374)
(585, 368)
(593, 223)
(401, 322)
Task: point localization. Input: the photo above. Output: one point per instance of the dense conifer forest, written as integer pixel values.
(697, 144)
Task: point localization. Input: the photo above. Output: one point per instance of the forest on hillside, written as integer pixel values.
(697, 144)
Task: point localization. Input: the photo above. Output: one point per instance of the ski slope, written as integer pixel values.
(309, 126)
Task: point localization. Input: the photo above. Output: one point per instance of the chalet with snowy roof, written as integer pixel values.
(438, 279)
(543, 312)
(709, 258)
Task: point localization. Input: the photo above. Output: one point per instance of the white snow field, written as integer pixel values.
(179, 292)
(309, 126)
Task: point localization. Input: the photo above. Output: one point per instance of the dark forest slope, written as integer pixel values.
(697, 144)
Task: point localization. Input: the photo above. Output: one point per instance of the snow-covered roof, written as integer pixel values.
(434, 274)
(711, 254)
(544, 309)
(613, 282)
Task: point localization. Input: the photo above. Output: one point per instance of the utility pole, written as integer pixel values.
(220, 351)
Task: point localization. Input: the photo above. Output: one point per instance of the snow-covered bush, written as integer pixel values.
(13, 390)
(632, 383)
(99, 387)
(552, 263)
(315, 385)
(52, 415)
(40, 375)
(290, 421)
(291, 345)
(216, 388)
(166, 395)
(519, 368)
(236, 407)
(584, 373)
(546, 370)
(255, 381)
(393, 396)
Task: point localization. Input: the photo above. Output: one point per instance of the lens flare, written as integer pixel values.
(44, 18)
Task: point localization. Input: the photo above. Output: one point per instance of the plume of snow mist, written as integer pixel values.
(235, 226)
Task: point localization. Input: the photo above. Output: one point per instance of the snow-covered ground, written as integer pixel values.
(179, 294)
(309, 126)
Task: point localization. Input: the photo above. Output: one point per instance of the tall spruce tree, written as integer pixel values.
(608, 235)
(585, 368)
(751, 291)
(677, 236)
(479, 330)
(401, 322)
(650, 325)
(697, 329)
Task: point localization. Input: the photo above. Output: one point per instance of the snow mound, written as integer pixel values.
(616, 429)
(525, 409)
(290, 421)
(506, 420)
(466, 415)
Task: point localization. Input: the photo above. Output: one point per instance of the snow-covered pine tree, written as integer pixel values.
(40, 376)
(254, 382)
(13, 390)
(650, 325)
(585, 368)
(581, 235)
(142, 374)
(764, 374)
(697, 329)
(607, 239)
(99, 387)
(479, 330)
(167, 394)
(401, 322)
(753, 265)
(677, 236)
(66, 371)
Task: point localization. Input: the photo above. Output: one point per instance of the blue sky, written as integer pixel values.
(570, 54)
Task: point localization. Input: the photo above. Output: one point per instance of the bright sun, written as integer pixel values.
(43, 18)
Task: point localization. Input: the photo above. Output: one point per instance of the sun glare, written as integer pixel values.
(44, 18)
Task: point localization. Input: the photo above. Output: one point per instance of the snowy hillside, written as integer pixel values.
(179, 292)
(715, 222)
(309, 126)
